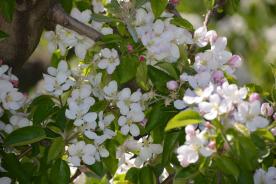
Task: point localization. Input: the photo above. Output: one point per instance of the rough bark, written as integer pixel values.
(24, 31)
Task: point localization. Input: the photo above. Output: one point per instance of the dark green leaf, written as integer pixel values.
(60, 173)
(24, 136)
(139, 3)
(3, 35)
(179, 21)
(67, 5)
(98, 169)
(15, 169)
(184, 118)
(227, 166)
(158, 7)
(159, 79)
(168, 68)
(132, 175)
(170, 142)
(56, 149)
(7, 8)
(147, 175)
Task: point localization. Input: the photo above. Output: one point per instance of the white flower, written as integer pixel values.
(126, 99)
(84, 16)
(99, 26)
(95, 81)
(249, 114)
(16, 121)
(13, 100)
(127, 125)
(198, 95)
(101, 152)
(186, 155)
(107, 59)
(81, 152)
(81, 45)
(200, 80)
(111, 90)
(97, 6)
(58, 79)
(215, 107)
(262, 177)
(147, 151)
(179, 104)
(6, 86)
(5, 180)
(231, 92)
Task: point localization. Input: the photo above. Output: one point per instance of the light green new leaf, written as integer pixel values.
(184, 118)
(24, 136)
(102, 18)
(158, 6)
(56, 149)
(142, 76)
(179, 21)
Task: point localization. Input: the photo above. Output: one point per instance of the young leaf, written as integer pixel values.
(142, 76)
(168, 68)
(60, 173)
(102, 18)
(179, 21)
(158, 7)
(56, 149)
(24, 136)
(184, 118)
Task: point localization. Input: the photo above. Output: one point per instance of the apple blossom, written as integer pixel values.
(107, 59)
(266, 109)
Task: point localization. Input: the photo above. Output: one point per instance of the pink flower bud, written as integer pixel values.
(174, 2)
(235, 61)
(172, 85)
(212, 145)
(15, 83)
(129, 48)
(142, 58)
(1, 61)
(218, 77)
(144, 122)
(211, 36)
(208, 125)
(266, 109)
(190, 130)
(273, 131)
(274, 116)
(254, 97)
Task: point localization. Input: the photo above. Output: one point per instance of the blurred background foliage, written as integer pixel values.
(249, 25)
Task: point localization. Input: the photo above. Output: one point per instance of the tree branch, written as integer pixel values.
(58, 16)
(210, 13)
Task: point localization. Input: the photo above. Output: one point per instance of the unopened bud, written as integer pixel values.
(273, 131)
(235, 61)
(212, 145)
(15, 83)
(129, 48)
(266, 109)
(172, 85)
(142, 58)
(254, 97)
(208, 125)
(174, 2)
(218, 77)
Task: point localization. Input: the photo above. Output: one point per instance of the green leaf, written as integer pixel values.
(98, 169)
(158, 7)
(264, 133)
(3, 35)
(126, 71)
(142, 76)
(157, 117)
(227, 166)
(42, 107)
(24, 136)
(132, 175)
(14, 168)
(56, 149)
(7, 8)
(168, 68)
(184, 118)
(60, 173)
(83, 5)
(159, 79)
(67, 5)
(179, 21)
(170, 142)
(147, 175)
(102, 18)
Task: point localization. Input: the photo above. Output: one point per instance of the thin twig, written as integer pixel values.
(25, 152)
(77, 173)
(210, 13)
(57, 15)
